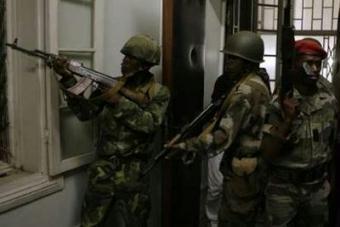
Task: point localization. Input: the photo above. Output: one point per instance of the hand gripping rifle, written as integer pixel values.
(88, 76)
(287, 53)
(185, 132)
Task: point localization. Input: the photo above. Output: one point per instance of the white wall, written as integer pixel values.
(124, 19)
(214, 31)
(61, 209)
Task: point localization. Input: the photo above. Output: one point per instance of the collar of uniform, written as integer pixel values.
(310, 104)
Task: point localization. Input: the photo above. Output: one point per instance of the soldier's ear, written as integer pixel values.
(145, 66)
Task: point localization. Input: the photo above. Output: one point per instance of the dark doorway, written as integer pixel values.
(184, 35)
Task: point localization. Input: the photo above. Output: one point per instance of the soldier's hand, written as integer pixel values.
(219, 137)
(114, 98)
(60, 65)
(176, 146)
(176, 149)
(290, 108)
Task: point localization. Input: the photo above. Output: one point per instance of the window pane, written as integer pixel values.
(308, 3)
(335, 25)
(327, 19)
(336, 8)
(270, 65)
(76, 137)
(267, 17)
(298, 9)
(75, 23)
(327, 3)
(269, 44)
(307, 19)
(317, 25)
(317, 9)
(298, 24)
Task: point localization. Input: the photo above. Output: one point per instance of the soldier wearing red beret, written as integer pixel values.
(299, 135)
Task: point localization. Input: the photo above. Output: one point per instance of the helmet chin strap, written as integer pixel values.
(133, 72)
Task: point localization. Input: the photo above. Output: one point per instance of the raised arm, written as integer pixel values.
(143, 118)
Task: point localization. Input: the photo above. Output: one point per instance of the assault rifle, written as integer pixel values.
(89, 77)
(186, 132)
(287, 53)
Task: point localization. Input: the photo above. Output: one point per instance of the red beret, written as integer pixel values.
(310, 46)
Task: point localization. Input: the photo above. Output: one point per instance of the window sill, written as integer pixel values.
(4, 168)
(21, 187)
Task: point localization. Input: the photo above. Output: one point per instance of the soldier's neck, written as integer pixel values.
(306, 90)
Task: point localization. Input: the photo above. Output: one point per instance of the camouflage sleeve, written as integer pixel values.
(84, 109)
(273, 114)
(274, 121)
(144, 119)
(234, 118)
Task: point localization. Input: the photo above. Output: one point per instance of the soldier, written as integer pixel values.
(116, 195)
(222, 86)
(298, 141)
(237, 132)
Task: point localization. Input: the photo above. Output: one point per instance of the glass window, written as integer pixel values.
(77, 15)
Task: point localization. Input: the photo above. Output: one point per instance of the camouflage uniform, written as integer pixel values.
(116, 194)
(222, 86)
(115, 191)
(298, 188)
(242, 123)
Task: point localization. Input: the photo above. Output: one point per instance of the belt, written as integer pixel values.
(300, 176)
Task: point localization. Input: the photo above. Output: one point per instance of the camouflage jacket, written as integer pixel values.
(241, 121)
(313, 132)
(126, 128)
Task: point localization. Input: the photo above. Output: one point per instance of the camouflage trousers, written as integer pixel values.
(297, 204)
(115, 195)
(242, 203)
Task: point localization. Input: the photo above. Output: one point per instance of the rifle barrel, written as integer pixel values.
(26, 51)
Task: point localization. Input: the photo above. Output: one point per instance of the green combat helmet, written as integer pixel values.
(246, 45)
(143, 48)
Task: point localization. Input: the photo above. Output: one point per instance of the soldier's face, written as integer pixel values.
(234, 67)
(310, 66)
(130, 66)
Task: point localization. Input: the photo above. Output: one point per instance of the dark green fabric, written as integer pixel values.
(3, 88)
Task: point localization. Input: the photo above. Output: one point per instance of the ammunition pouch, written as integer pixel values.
(300, 176)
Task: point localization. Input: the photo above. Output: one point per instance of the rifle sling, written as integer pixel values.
(214, 124)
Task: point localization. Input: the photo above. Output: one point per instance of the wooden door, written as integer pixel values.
(183, 72)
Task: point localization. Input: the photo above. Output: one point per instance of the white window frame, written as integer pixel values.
(57, 163)
(34, 121)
